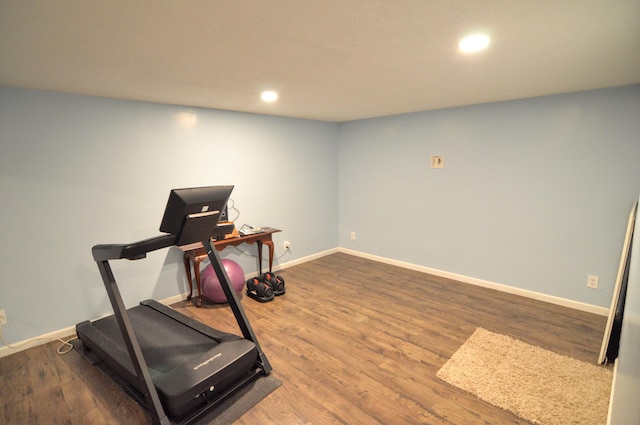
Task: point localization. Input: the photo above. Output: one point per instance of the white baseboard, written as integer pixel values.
(484, 283)
(70, 331)
(305, 259)
(63, 334)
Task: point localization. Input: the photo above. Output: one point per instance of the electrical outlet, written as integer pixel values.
(3, 317)
(286, 245)
(353, 236)
(592, 281)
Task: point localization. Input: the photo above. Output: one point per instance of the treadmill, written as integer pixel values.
(178, 368)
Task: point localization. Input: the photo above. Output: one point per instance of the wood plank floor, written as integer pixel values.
(354, 342)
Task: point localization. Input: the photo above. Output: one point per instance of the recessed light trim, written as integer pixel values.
(269, 96)
(474, 43)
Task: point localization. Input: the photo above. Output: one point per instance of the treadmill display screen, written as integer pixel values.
(199, 204)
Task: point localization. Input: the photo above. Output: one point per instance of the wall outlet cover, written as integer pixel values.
(437, 161)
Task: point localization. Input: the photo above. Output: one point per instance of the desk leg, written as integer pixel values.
(196, 269)
(259, 243)
(271, 249)
(187, 268)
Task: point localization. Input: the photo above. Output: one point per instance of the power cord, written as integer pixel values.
(233, 207)
(235, 219)
(64, 348)
(277, 243)
(285, 252)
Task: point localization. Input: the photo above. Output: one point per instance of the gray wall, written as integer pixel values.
(535, 193)
(76, 171)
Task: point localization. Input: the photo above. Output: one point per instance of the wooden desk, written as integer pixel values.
(195, 253)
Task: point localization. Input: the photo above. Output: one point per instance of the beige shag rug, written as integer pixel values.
(537, 385)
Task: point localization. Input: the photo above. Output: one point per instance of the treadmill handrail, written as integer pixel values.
(132, 251)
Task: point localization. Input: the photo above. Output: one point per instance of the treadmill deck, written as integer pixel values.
(190, 363)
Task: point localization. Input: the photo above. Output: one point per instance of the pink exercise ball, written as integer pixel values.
(211, 286)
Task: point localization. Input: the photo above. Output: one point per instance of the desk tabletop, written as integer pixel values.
(235, 240)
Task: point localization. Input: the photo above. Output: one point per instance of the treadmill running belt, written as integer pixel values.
(165, 343)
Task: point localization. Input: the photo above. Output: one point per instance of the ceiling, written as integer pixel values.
(332, 60)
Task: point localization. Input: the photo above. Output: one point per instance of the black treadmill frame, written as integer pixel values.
(102, 254)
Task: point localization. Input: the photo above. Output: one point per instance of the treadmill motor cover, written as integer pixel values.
(189, 365)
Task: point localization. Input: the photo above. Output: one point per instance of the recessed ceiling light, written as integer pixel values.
(473, 43)
(187, 118)
(269, 96)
